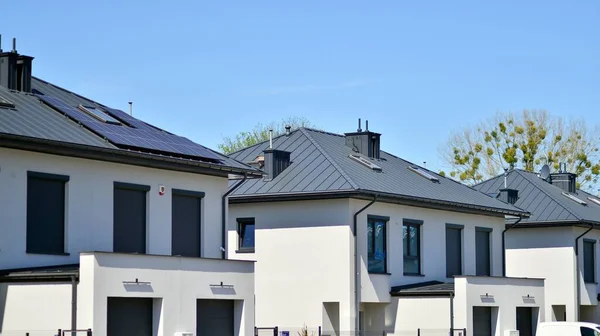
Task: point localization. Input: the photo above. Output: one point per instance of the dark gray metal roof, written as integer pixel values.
(321, 164)
(32, 119)
(40, 274)
(424, 289)
(544, 201)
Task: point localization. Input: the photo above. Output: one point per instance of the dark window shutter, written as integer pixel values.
(129, 231)
(482, 247)
(45, 215)
(453, 252)
(186, 224)
(589, 271)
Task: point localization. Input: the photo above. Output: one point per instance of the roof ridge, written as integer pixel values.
(324, 153)
(262, 142)
(550, 196)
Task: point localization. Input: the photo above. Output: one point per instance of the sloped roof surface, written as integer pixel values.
(423, 288)
(321, 163)
(544, 201)
(33, 119)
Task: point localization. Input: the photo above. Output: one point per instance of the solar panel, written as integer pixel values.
(139, 136)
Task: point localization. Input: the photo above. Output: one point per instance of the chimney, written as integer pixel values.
(564, 180)
(506, 194)
(15, 69)
(364, 142)
(275, 162)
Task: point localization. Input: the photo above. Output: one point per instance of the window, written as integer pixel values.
(482, 251)
(585, 331)
(365, 161)
(411, 242)
(186, 222)
(376, 244)
(99, 114)
(589, 261)
(46, 213)
(426, 174)
(129, 217)
(6, 103)
(453, 250)
(246, 229)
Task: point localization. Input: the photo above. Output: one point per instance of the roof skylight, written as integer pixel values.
(365, 162)
(6, 103)
(426, 174)
(99, 114)
(595, 200)
(573, 198)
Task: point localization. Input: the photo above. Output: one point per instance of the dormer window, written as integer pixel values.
(99, 114)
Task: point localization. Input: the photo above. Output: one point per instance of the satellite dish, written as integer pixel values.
(545, 172)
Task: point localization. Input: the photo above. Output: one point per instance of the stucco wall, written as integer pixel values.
(39, 309)
(89, 205)
(303, 253)
(405, 315)
(545, 253)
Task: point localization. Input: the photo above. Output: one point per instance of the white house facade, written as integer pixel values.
(110, 224)
(427, 261)
(557, 242)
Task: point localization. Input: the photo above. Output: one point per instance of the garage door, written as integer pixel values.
(129, 317)
(524, 321)
(482, 321)
(214, 318)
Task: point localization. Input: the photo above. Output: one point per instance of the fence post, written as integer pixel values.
(319, 330)
(59, 332)
(276, 331)
(419, 332)
(464, 331)
(89, 332)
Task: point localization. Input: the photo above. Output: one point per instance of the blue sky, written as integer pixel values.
(416, 70)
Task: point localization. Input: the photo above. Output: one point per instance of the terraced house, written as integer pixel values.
(109, 223)
(352, 239)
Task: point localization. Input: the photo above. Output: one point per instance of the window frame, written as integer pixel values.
(64, 179)
(490, 256)
(241, 227)
(585, 273)
(460, 228)
(418, 225)
(374, 219)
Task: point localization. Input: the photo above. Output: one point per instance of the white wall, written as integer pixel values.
(90, 202)
(505, 294)
(36, 308)
(405, 315)
(178, 281)
(303, 253)
(546, 253)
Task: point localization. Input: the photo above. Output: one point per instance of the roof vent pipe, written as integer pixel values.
(505, 177)
(270, 139)
(0, 43)
(359, 126)
(14, 45)
(367, 125)
(131, 108)
(288, 129)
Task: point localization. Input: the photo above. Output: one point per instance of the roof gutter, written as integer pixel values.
(504, 244)
(577, 268)
(224, 205)
(357, 266)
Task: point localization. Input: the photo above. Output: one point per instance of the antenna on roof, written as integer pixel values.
(14, 45)
(545, 172)
(359, 126)
(270, 139)
(131, 108)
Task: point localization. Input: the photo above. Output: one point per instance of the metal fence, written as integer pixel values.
(55, 332)
(319, 331)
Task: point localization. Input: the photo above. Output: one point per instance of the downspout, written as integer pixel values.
(73, 304)
(357, 267)
(223, 216)
(504, 245)
(577, 270)
(452, 313)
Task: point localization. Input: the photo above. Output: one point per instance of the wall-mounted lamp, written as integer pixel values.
(487, 296)
(221, 285)
(136, 282)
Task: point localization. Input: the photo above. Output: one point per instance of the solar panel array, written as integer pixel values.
(140, 135)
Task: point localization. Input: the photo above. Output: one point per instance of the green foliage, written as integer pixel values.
(527, 140)
(260, 133)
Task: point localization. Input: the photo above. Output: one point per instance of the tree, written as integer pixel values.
(527, 140)
(260, 133)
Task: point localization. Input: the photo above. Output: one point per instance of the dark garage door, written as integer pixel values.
(482, 321)
(214, 318)
(129, 317)
(524, 321)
